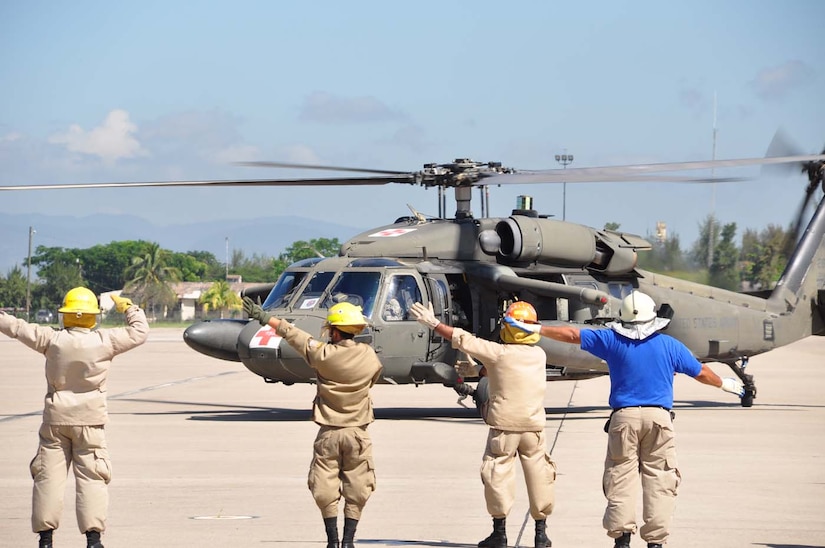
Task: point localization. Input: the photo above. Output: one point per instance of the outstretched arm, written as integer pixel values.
(728, 384)
(255, 312)
(426, 316)
(565, 333)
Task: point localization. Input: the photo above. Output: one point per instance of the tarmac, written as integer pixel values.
(205, 454)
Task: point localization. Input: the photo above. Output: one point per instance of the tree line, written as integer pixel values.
(715, 258)
(145, 271)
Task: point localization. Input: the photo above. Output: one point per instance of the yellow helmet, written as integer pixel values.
(79, 308)
(347, 317)
(80, 301)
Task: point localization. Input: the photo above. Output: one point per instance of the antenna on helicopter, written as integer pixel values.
(418, 216)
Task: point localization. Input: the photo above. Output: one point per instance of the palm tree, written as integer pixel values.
(149, 279)
(220, 297)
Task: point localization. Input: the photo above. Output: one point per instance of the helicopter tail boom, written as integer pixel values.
(800, 292)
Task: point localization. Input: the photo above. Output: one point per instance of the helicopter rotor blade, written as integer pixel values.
(336, 181)
(320, 167)
(634, 172)
(526, 178)
(815, 171)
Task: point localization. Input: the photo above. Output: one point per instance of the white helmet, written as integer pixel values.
(637, 308)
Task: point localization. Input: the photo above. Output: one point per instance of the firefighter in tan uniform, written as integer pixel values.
(78, 358)
(515, 413)
(342, 462)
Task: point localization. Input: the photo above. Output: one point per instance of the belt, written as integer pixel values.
(634, 406)
(613, 412)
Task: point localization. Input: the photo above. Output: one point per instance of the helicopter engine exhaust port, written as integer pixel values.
(527, 239)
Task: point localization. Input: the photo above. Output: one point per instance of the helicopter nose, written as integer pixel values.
(215, 338)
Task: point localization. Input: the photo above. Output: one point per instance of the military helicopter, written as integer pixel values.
(471, 268)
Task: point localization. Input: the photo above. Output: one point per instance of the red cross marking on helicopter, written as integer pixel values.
(391, 233)
(266, 336)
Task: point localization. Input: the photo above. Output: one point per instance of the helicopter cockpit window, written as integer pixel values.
(402, 292)
(358, 288)
(314, 289)
(620, 290)
(282, 292)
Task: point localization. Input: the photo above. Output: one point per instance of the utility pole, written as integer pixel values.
(565, 160)
(713, 192)
(29, 277)
(227, 259)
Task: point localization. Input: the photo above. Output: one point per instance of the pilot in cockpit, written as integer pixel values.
(402, 293)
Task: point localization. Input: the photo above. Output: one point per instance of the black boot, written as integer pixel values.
(654, 545)
(541, 535)
(349, 533)
(45, 539)
(623, 541)
(93, 539)
(498, 538)
(331, 525)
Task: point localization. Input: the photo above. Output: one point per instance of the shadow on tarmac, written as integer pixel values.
(222, 412)
(770, 545)
(389, 542)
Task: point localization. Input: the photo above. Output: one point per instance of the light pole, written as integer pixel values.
(565, 160)
(226, 277)
(29, 276)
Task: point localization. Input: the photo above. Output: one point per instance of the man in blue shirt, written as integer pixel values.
(642, 363)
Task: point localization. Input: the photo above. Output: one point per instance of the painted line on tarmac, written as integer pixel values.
(168, 384)
(132, 392)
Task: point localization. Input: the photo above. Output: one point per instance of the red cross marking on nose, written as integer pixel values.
(264, 336)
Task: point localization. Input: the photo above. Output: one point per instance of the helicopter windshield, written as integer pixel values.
(358, 288)
(282, 292)
(314, 289)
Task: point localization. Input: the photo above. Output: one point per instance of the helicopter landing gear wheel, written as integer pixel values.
(738, 367)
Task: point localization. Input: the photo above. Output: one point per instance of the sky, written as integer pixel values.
(100, 91)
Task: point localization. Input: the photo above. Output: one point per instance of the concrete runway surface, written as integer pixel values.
(205, 454)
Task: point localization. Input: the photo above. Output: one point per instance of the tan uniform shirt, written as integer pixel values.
(517, 379)
(77, 364)
(346, 372)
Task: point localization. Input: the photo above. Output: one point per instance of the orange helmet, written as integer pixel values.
(522, 311)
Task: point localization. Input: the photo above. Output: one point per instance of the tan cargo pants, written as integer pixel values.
(640, 443)
(498, 472)
(83, 447)
(342, 465)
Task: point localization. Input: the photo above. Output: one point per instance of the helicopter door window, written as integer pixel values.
(313, 290)
(358, 288)
(402, 292)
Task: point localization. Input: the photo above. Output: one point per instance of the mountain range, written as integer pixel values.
(265, 236)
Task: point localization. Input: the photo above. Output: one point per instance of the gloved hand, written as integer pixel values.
(424, 315)
(255, 312)
(524, 326)
(122, 303)
(734, 386)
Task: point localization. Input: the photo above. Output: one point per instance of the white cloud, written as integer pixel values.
(111, 141)
(301, 154)
(775, 83)
(327, 108)
(11, 137)
(237, 153)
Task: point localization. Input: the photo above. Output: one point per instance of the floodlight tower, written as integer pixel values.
(565, 160)
(29, 276)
